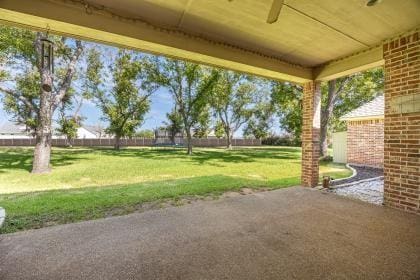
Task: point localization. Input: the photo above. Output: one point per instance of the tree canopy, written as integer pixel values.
(126, 103)
(24, 98)
(233, 100)
(190, 84)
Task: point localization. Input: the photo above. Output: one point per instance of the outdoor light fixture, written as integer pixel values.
(47, 60)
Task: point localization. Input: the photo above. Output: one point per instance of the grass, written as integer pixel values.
(93, 183)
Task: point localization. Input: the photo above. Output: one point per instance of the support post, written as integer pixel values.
(402, 123)
(310, 133)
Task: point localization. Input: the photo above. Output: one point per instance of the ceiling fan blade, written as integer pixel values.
(274, 13)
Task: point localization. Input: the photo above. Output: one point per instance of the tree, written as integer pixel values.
(344, 95)
(219, 131)
(29, 102)
(338, 98)
(231, 100)
(146, 133)
(262, 119)
(174, 124)
(125, 105)
(260, 123)
(287, 101)
(69, 123)
(201, 129)
(190, 84)
(68, 127)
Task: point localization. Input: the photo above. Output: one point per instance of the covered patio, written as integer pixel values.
(293, 233)
(303, 42)
(296, 233)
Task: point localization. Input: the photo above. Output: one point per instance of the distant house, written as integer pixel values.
(82, 132)
(88, 132)
(364, 140)
(94, 131)
(9, 130)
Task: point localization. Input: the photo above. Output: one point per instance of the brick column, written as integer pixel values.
(402, 123)
(310, 133)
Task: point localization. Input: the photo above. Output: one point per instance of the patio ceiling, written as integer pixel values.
(320, 39)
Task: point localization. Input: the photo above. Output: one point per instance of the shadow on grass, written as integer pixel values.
(45, 208)
(202, 155)
(21, 158)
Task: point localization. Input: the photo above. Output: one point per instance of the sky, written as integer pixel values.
(161, 101)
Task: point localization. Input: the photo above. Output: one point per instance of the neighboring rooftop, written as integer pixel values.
(372, 109)
(11, 128)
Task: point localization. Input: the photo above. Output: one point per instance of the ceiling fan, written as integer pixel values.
(274, 13)
(275, 9)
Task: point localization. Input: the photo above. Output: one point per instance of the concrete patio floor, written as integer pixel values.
(294, 233)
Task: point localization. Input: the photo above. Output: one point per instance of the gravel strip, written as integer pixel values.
(363, 172)
(371, 191)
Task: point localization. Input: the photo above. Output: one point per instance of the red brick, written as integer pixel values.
(402, 130)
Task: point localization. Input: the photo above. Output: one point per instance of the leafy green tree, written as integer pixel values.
(190, 84)
(146, 133)
(24, 98)
(262, 119)
(70, 120)
(232, 101)
(338, 98)
(287, 101)
(125, 105)
(174, 124)
(202, 128)
(343, 95)
(219, 131)
(261, 122)
(68, 127)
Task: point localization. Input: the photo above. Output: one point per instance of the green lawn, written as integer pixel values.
(94, 183)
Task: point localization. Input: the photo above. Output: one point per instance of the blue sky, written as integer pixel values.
(161, 101)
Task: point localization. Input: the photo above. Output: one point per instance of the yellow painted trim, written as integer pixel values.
(349, 65)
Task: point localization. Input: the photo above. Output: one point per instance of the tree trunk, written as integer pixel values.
(229, 141)
(42, 152)
(189, 142)
(228, 137)
(173, 138)
(117, 143)
(68, 142)
(325, 117)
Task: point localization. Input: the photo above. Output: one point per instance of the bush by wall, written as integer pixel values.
(281, 141)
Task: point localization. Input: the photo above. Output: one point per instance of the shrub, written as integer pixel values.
(281, 141)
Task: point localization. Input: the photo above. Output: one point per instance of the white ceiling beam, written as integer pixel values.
(72, 20)
(349, 65)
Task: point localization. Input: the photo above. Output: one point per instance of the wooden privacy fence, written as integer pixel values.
(134, 142)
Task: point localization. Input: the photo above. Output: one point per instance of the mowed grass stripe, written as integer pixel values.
(94, 183)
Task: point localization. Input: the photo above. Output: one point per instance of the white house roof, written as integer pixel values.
(372, 109)
(11, 128)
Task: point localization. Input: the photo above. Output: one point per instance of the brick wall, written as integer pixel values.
(402, 123)
(365, 142)
(310, 133)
